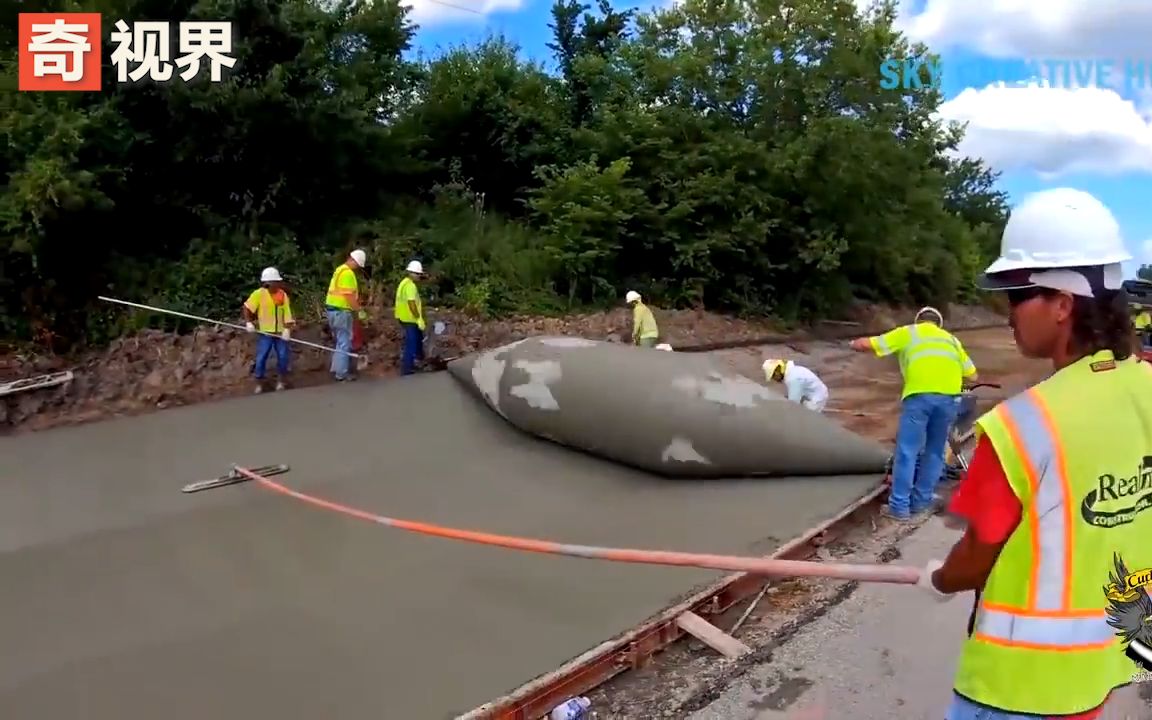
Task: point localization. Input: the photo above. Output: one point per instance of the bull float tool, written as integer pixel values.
(733, 563)
(221, 323)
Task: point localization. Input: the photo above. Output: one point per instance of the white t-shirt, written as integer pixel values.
(804, 387)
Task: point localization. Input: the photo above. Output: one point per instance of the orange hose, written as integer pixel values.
(754, 565)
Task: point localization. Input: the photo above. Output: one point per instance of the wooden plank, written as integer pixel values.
(711, 635)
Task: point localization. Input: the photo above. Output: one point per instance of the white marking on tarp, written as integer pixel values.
(487, 373)
(682, 450)
(536, 391)
(725, 389)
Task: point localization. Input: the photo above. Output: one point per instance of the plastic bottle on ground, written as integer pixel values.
(574, 709)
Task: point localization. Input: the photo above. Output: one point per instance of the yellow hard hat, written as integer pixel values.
(771, 366)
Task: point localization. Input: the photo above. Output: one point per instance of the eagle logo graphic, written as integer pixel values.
(1130, 609)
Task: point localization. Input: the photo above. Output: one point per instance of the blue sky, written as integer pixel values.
(1095, 138)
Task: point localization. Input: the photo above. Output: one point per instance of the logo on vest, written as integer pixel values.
(1116, 500)
(1130, 613)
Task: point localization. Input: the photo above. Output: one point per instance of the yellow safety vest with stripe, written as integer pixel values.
(343, 289)
(643, 322)
(931, 359)
(406, 291)
(1075, 450)
(270, 317)
(1142, 320)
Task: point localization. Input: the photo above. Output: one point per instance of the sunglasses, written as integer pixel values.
(1019, 296)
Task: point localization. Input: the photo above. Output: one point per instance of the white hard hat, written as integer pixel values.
(415, 267)
(665, 347)
(360, 257)
(928, 310)
(270, 274)
(1052, 231)
(632, 296)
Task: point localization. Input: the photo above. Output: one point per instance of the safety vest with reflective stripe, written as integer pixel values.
(271, 316)
(407, 291)
(342, 288)
(931, 359)
(1073, 449)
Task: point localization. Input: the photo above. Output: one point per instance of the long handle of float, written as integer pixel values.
(221, 323)
(733, 563)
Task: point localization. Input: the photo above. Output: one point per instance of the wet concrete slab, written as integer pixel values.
(121, 597)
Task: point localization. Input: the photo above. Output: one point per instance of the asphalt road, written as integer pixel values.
(121, 598)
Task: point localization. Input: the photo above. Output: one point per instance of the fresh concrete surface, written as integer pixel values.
(887, 652)
(122, 598)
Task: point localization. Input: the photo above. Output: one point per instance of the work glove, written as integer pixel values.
(926, 581)
(421, 324)
(286, 334)
(250, 326)
(363, 315)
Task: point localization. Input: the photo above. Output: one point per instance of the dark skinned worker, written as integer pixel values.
(268, 310)
(342, 302)
(410, 314)
(1053, 495)
(934, 365)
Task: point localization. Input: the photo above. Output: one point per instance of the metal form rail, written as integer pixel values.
(635, 648)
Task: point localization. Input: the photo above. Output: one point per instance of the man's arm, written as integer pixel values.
(289, 319)
(250, 306)
(795, 390)
(890, 342)
(410, 298)
(968, 368)
(986, 501)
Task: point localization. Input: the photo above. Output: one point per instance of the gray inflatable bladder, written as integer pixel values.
(673, 414)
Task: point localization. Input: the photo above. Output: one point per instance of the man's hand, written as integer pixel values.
(363, 315)
(861, 344)
(926, 582)
(286, 334)
(250, 326)
(421, 324)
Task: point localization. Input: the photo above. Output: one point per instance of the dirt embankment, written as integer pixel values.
(155, 370)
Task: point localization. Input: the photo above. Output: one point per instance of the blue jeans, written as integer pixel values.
(340, 322)
(925, 420)
(266, 345)
(964, 709)
(413, 347)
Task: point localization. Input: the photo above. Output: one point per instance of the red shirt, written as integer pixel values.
(986, 500)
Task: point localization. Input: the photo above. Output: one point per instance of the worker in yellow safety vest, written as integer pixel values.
(269, 311)
(934, 365)
(644, 330)
(342, 301)
(1056, 496)
(409, 313)
(1142, 323)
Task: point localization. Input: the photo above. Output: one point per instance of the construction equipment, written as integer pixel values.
(961, 430)
(234, 477)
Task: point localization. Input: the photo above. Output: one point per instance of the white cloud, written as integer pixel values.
(1035, 28)
(1052, 131)
(438, 12)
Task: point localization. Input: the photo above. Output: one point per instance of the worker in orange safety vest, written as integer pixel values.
(269, 311)
(1056, 495)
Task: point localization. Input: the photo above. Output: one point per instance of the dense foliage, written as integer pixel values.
(734, 154)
